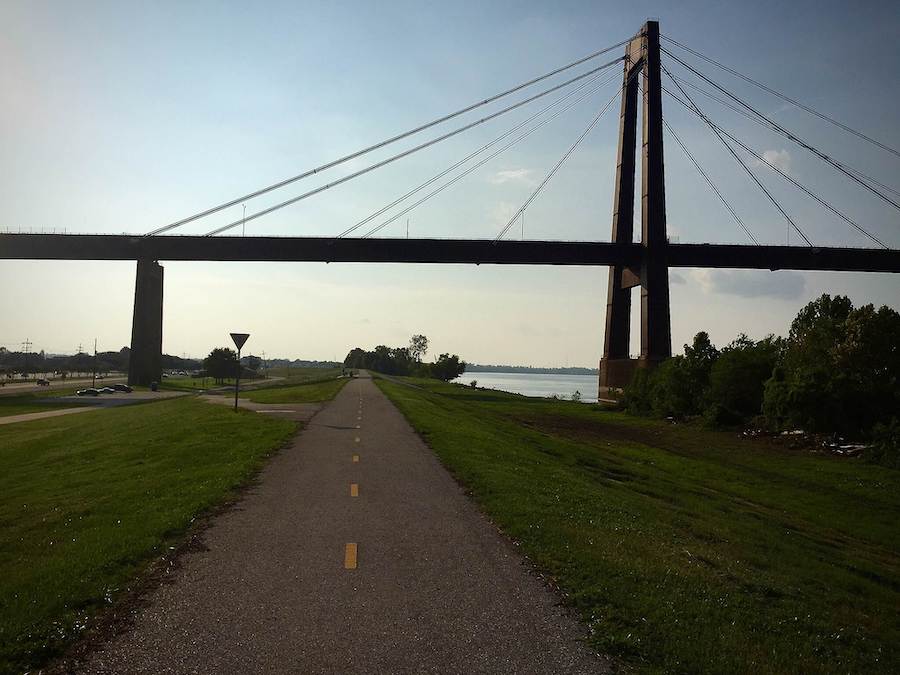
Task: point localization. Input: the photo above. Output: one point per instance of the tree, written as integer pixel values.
(738, 378)
(221, 363)
(418, 347)
(447, 367)
(252, 362)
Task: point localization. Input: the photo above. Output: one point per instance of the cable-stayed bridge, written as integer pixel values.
(645, 61)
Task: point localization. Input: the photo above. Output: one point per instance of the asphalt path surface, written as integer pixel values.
(356, 552)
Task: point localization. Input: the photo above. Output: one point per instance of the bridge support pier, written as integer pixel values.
(642, 57)
(145, 363)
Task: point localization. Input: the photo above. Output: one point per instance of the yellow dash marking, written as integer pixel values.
(356, 440)
(350, 557)
(357, 426)
(354, 489)
(355, 459)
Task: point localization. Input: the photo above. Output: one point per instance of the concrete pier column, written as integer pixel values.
(145, 365)
(656, 337)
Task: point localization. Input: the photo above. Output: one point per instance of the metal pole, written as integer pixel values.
(94, 376)
(237, 380)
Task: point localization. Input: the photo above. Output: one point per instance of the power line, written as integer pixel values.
(561, 161)
(484, 161)
(786, 98)
(381, 144)
(465, 159)
(406, 153)
(821, 155)
(734, 154)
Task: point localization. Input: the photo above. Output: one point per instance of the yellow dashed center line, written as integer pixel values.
(354, 489)
(356, 440)
(355, 459)
(350, 557)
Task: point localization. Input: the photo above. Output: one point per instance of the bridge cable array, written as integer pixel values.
(784, 97)
(561, 161)
(750, 113)
(696, 110)
(392, 139)
(786, 133)
(762, 123)
(406, 153)
(709, 182)
(585, 85)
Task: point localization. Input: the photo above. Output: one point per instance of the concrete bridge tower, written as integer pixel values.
(642, 59)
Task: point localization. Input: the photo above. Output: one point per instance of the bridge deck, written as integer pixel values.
(460, 251)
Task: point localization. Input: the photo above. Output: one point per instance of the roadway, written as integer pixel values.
(11, 388)
(355, 552)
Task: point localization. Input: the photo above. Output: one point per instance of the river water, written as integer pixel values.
(529, 384)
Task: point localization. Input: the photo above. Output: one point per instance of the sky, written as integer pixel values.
(122, 117)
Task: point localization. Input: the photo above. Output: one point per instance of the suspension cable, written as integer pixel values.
(485, 160)
(762, 123)
(381, 144)
(562, 160)
(405, 153)
(821, 155)
(737, 158)
(784, 97)
(465, 159)
(789, 178)
(712, 185)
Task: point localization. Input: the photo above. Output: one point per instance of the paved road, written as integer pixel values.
(356, 553)
(12, 387)
(27, 417)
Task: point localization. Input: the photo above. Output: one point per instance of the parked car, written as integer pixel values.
(107, 390)
(123, 387)
(43, 382)
(87, 392)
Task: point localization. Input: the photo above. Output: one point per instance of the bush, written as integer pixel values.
(885, 448)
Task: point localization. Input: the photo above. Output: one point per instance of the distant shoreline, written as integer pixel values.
(575, 370)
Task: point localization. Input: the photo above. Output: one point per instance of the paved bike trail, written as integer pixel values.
(407, 576)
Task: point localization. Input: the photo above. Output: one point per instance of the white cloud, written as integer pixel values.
(779, 158)
(512, 176)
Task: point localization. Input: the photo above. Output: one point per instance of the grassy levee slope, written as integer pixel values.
(684, 550)
(311, 392)
(87, 500)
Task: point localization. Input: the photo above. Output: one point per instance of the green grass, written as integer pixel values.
(311, 392)
(87, 500)
(20, 404)
(684, 550)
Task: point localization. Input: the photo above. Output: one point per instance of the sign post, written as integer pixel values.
(239, 340)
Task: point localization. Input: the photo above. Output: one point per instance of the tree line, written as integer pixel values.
(837, 372)
(25, 364)
(406, 361)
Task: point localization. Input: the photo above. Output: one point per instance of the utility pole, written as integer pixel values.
(94, 376)
(26, 345)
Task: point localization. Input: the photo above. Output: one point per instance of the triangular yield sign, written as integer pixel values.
(239, 339)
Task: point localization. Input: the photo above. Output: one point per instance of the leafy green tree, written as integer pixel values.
(221, 363)
(447, 367)
(738, 377)
(418, 347)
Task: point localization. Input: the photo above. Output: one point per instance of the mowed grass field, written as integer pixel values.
(683, 550)
(87, 500)
(308, 392)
